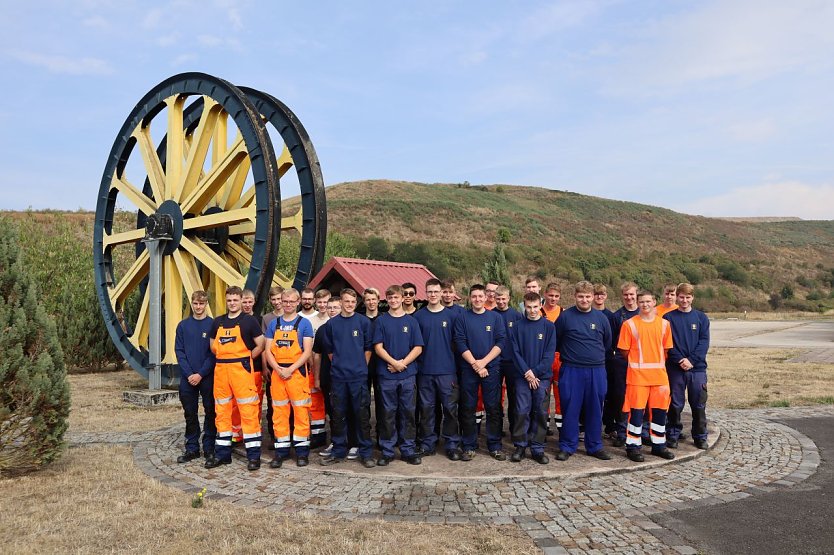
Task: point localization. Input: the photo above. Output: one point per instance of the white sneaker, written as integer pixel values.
(353, 454)
(326, 452)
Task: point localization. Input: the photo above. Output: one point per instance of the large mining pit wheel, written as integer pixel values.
(224, 198)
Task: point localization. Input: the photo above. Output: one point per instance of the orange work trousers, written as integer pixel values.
(557, 404)
(237, 433)
(232, 382)
(317, 412)
(291, 394)
(653, 400)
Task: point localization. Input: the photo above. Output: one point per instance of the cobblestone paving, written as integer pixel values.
(572, 513)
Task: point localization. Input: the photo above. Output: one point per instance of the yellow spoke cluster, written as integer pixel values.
(202, 171)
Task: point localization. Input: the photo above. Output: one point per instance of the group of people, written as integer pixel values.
(437, 372)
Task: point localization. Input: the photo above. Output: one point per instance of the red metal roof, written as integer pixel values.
(360, 274)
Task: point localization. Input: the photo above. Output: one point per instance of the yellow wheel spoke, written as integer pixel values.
(144, 204)
(240, 252)
(296, 221)
(189, 274)
(284, 162)
(132, 236)
(235, 186)
(200, 141)
(134, 275)
(209, 221)
(140, 331)
(153, 166)
(174, 146)
(211, 184)
(172, 298)
(246, 228)
(280, 279)
(245, 199)
(212, 261)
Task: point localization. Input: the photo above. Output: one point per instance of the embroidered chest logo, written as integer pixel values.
(224, 340)
(489, 328)
(694, 327)
(443, 323)
(355, 333)
(405, 329)
(593, 326)
(204, 335)
(509, 324)
(541, 337)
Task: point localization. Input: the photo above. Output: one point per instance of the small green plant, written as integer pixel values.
(197, 500)
(780, 403)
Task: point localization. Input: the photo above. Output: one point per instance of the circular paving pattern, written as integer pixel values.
(583, 505)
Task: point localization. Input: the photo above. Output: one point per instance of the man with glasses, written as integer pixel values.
(490, 289)
(437, 382)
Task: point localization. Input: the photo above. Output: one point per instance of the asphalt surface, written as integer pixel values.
(791, 334)
(795, 519)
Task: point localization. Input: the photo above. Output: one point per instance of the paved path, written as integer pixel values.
(576, 508)
(792, 334)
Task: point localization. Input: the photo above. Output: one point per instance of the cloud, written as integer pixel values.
(787, 198)
(183, 59)
(63, 64)
(556, 17)
(746, 40)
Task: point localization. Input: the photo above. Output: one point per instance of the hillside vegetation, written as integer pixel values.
(559, 235)
(568, 236)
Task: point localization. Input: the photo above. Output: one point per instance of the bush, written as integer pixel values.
(34, 393)
(733, 272)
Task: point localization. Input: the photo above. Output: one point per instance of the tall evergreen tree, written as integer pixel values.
(34, 393)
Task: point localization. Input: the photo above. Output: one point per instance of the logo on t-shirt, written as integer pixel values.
(405, 329)
(540, 337)
(489, 328)
(355, 333)
(204, 335)
(593, 326)
(444, 323)
(224, 340)
(694, 327)
(509, 324)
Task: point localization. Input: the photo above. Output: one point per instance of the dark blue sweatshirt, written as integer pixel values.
(616, 319)
(690, 334)
(479, 333)
(534, 346)
(348, 339)
(438, 356)
(510, 316)
(397, 335)
(192, 345)
(583, 338)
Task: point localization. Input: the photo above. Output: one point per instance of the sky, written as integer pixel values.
(717, 108)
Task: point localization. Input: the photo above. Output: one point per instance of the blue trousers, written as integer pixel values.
(396, 425)
(529, 424)
(582, 392)
(350, 398)
(442, 390)
(694, 386)
(189, 395)
(491, 394)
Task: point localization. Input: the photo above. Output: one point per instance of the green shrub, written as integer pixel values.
(34, 393)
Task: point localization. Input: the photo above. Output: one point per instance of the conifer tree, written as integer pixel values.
(34, 393)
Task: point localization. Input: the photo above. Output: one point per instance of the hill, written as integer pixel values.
(568, 236)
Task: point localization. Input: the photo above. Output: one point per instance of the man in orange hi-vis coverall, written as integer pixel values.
(290, 340)
(644, 341)
(236, 339)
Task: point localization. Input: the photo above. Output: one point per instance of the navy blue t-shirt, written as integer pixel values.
(583, 338)
(348, 339)
(479, 333)
(510, 316)
(690, 335)
(534, 346)
(192, 345)
(398, 335)
(438, 356)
